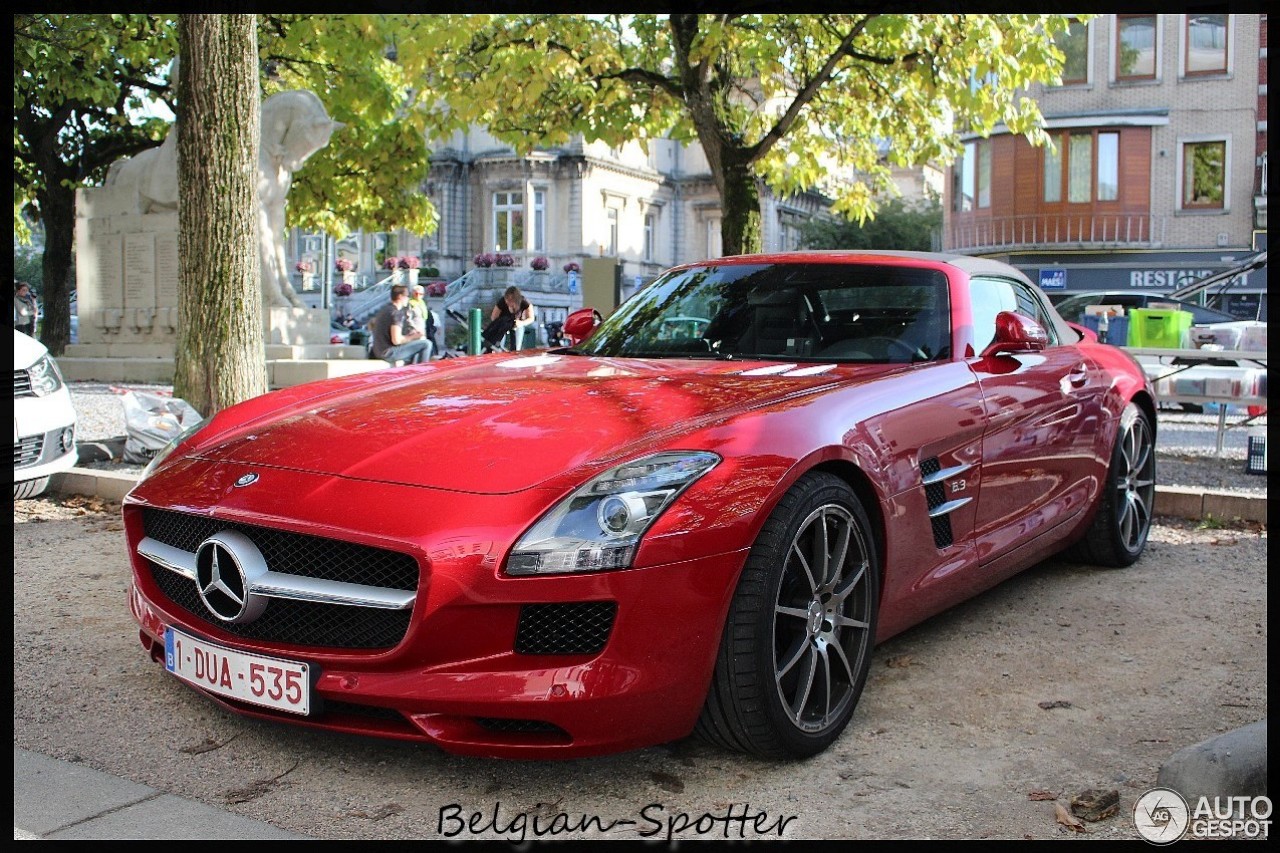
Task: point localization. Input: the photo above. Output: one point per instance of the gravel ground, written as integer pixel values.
(982, 722)
(1185, 442)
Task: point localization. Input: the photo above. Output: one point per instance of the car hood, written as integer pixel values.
(26, 350)
(502, 424)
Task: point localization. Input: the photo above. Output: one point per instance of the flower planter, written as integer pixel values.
(348, 276)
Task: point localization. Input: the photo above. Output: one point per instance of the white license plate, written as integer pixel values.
(281, 684)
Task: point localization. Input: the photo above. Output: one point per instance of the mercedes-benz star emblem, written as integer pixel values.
(246, 480)
(227, 564)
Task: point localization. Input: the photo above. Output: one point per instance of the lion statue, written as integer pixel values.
(294, 126)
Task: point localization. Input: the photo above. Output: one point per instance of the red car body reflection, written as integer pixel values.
(443, 470)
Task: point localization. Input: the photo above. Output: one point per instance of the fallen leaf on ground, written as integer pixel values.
(899, 662)
(1065, 818)
(1042, 795)
(1096, 804)
(1056, 703)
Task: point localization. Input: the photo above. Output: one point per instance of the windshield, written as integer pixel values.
(791, 312)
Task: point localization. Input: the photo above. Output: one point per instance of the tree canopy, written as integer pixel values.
(897, 225)
(797, 102)
(84, 86)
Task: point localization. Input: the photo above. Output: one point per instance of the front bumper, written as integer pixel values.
(464, 676)
(43, 435)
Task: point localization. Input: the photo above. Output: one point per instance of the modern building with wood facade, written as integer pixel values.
(1158, 170)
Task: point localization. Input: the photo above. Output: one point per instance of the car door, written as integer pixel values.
(1043, 411)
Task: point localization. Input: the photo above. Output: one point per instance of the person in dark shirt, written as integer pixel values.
(394, 339)
(510, 315)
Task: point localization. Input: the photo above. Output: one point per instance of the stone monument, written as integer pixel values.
(127, 241)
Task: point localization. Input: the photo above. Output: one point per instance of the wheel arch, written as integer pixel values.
(858, 480)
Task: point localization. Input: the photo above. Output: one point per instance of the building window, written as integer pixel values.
(508, 221)
(1135, 47)
(1084, 164)
(1074, 44)
(972, 177)
(789, 232)
(539, 221)
(715, 244)
(612, 215)
(649, 222)
(1206, 51)
(1108, 166)
(1204, 172)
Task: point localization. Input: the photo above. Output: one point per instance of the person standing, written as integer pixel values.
(420, 315)
(394, 338)
(25, 309)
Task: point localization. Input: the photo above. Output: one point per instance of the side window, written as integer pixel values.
(989, 296)
(1030, 305)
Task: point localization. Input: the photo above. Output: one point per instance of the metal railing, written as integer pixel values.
(1091, 230)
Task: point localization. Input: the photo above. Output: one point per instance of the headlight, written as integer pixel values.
(599, 526)
(164, 452)
(45, 378)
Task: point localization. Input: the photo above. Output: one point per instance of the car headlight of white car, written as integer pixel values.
(599, 526)
(45, 376)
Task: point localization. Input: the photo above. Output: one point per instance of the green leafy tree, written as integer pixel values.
(793, 101)
(897, 225)
(82, 84)
(76, 79)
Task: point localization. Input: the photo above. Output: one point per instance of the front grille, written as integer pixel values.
(26, 451)
(291, 553)
(302, 623)
(503, 726)
(581, 628)
(22, 384)
(372, 712)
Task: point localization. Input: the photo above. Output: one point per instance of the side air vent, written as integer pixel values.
(934, 478)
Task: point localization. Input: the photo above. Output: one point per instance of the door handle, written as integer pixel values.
(1078, 376)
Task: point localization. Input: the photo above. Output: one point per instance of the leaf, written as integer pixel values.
(1057, 703)
(899, 662)
(1067, 819)
(1041, 795)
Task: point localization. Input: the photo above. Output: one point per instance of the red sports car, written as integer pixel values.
(701, 518)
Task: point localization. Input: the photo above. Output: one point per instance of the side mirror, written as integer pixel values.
(579, 325)
(1016, 334)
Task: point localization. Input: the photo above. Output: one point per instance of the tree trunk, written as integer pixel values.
(221, 358)
(740, 224)
(57, 213)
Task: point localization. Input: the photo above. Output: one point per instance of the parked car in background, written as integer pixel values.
(1072, 307)
(44, 420)
(701, 516)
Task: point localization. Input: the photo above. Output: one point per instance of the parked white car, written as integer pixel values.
(44, 421)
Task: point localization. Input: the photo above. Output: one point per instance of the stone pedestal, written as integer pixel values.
(296, 326)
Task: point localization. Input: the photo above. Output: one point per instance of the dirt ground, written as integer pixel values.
(979, 723)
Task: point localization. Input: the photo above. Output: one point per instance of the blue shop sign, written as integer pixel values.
(1053, 279)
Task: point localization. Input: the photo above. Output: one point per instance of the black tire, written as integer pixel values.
(30, 488)
(1118, 534)
(797, 641)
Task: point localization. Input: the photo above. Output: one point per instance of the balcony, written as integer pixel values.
(1082, 231)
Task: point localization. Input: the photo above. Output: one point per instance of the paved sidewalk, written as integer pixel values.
(55, 799)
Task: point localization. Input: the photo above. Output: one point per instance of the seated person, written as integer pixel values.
(394, 338)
